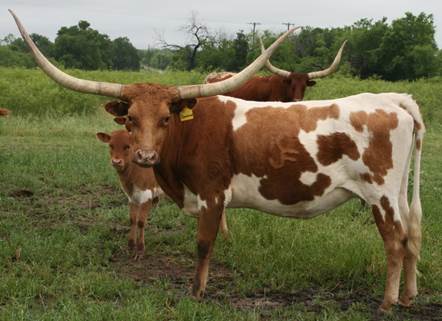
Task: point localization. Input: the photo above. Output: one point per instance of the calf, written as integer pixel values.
(138, 184)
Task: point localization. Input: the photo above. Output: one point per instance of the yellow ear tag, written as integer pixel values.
(186, 114)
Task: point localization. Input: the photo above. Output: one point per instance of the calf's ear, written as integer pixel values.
(177, 106)
(117, 108)
(105, 138)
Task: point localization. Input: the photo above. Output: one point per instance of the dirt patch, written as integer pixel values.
(177, 269)
(21, 193)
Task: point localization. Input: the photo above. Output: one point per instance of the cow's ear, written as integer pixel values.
(105, 138)
(120, 120)
(117, 108)
(177, 106)
(311, 83)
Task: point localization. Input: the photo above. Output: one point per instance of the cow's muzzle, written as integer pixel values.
(146, 158)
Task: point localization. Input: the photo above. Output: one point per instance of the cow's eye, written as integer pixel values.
(111, 146)
(164, 121)
(126, 147)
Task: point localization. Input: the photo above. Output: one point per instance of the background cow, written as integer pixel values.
(283, 86)
(294, 160)
(4, 112)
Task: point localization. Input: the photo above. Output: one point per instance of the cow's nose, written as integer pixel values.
(146, 158)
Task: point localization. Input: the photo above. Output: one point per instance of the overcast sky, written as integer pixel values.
(142, 21)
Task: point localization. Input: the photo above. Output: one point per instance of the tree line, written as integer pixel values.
(404, 49)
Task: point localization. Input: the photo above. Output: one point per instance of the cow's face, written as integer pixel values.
(298, 82)
(148, 118)
(119, 147)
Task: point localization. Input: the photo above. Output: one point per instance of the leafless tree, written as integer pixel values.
(198, 34)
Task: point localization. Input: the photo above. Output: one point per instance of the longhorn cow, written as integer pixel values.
(282, 86)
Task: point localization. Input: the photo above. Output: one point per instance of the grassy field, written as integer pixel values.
(64, 224)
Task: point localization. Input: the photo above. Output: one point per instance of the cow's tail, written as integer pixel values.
(415, 214)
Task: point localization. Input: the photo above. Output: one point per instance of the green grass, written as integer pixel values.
(63, 248)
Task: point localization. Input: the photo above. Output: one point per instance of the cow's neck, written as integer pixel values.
(165, 171)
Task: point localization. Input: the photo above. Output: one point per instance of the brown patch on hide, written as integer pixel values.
(333, 147)
(378, 155)
(278, 157)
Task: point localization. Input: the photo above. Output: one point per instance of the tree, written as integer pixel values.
(124, 55)
(408, 49)
(241, 48)
(199, 34)
(83, 47)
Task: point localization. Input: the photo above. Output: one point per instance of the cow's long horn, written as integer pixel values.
(332, 68)
(65, 80)
(235, 81)
(270, 67)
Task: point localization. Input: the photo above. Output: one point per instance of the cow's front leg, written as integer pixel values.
(208, 223)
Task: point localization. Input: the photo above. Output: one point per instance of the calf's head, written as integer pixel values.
(119, 148)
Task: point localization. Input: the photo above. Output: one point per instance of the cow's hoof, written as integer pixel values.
(405, 301)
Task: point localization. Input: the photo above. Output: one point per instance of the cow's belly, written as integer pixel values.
(244, 192)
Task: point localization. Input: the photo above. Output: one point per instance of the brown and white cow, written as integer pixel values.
(4, 112)
(290, 159)
(283, 86)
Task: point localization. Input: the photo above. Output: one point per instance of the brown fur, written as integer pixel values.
(286, 157)
(332, 147)
(4, 112)
(270, 88)
(378, 155)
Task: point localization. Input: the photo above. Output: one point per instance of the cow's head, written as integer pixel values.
(147, 108)
(120, 148)
(147, 117)
(296, 83)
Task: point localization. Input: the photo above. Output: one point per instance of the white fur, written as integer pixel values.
(140, 196)
(193, 203)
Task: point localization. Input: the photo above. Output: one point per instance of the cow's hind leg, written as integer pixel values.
(390, 226)
(208, 223)
(412, 252)
(223, 226)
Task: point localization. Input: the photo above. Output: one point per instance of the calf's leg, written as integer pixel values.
(133, 215)
(143, 214)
